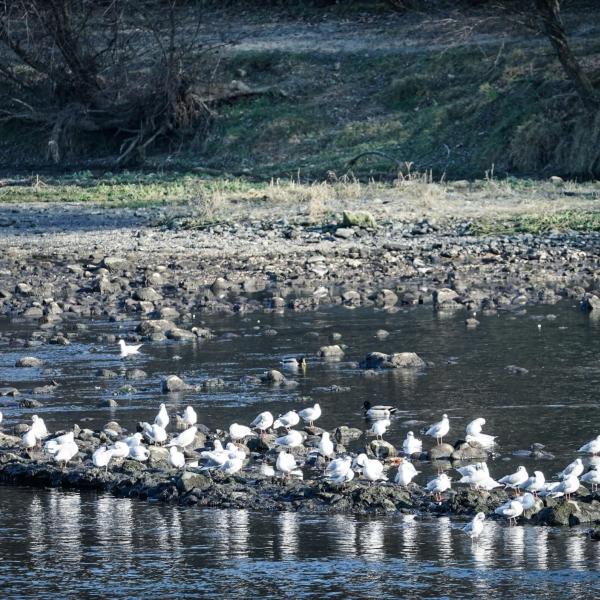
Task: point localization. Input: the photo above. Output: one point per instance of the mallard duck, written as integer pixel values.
(294, 362)
(379, 411)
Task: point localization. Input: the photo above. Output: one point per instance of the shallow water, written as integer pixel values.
(132, 548)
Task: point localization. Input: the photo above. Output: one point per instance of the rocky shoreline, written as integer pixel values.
(64, 270)
(250, 489)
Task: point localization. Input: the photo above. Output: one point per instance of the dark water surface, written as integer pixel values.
(82, 545)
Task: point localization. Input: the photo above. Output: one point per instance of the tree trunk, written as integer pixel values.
(549, 11)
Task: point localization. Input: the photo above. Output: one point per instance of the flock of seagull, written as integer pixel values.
(230, 459)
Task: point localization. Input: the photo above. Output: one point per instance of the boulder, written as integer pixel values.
(381, 449)
(385, 298)
(173, 383)
(590, 302)
(445, 298)
(333, 351)
(469, 451)
(147, 294)
(29, 361)
(362, 219)
(397, 360)
(344, 434)
(273, 377)
(441, 452)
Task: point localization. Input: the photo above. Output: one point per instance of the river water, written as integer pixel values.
(85, 545)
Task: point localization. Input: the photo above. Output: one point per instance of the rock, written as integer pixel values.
(382, 334)
(344, 233)
(29, 361)
(398, 360)
(273, 377)
(108, 403)
(469, 451)
(514, 370)
(189, 481)
(213, 383)
(135, 374)
(441, 451)
(385, 298)
(106, 374)
(147, 294)
(362, 219)
(33, 312)
(351, 298)
(105, 286)
(334, 351)
(173, 383)
(344, 434)
(158, 456)
(381, 449)
(445, 298)
(180, 334)
(151, 326)
(556, 180)
(590, 302)
(114, 263)
(114, 426)
(9, 391)
(30, 403)
(472, 323)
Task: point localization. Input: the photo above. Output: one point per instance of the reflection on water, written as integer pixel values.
(130, 547)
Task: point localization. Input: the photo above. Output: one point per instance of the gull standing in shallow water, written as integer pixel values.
(439, 430)
(129, 349)
(475, 528)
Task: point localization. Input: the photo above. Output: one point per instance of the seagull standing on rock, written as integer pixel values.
(406, 473)
(534, 484)
(128, 349)
(28, 440)
(311, 414)
(262, 422)
(592, 477)
(102, 457)
(325, 446)
(292, 440)
(474, 434)
(121, 449)
(514, 480)
(185, 438)
(412, 445)
(162, 418)
(287, 421)
(592, 447)
(39, 428)
(380, 427)
(510, 510)
(239, 432)
(176, 458)
(286, 463)
(340, 470)
(439, 485)
(66, 452)
(189, 416)
(439, 430)
(574, 468)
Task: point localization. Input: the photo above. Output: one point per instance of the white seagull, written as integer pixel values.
(66, 452)
(592, 447)
(439, 430)
(534, 484)
(239, 432)
(592, 477)
(340, 470)
(39, 428)
(155, 433)
(527, 500)
(474, 434)
(574, 468)
(139, 453)
(380, 427)
(176, 458)
(311, 414)
(101, 457)
(286, 463)
(162, 418)
(439, 485)
(406, 473)
(412, 445)
(28, 440)
(510, 510)
(566, 487)
(121, 450)
(129, 349)
(514, 480)
(292, 440)
(262, 422)
(288, 420)
(189, 416)
(475, 528)
(232, 465)
(325, 446)
(185, 438)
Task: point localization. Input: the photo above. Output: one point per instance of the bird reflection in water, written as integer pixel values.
(409, 532)
(444, 539)
(37, 529)
(238, 533)
(370, 540)
(288, 526)
(514, 542)
(343, 535)
(575, 554)
(64, 525)
(536, 540)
